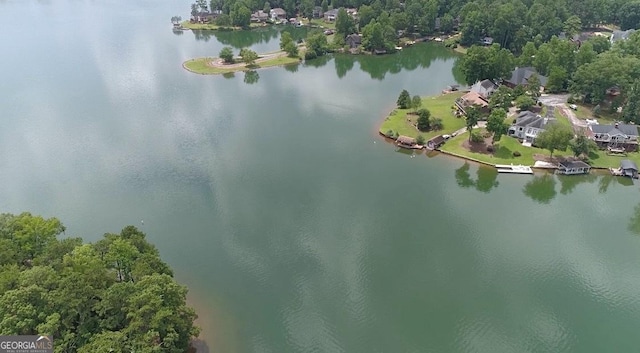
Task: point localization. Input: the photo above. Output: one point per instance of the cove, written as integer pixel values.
(295, 227)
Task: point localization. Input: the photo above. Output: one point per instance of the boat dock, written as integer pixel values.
(513, 169)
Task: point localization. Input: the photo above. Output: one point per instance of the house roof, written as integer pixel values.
(354, 37)
(573, 164)
(474, 98)
(621, 35)
(627, 164)
(520, 76)
(438, 140)
(484, 88)
(406, 140)
(278, 11)
(259, 14)
(487, 40)
(530, 119)
(332, 12)
(617, 129)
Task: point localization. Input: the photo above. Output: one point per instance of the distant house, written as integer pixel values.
(615, 136)
(406, 142)
(621, 35)
(628, 168)
(521, 75)
(528, 126)
(353, 40)
(331, 15)
(204, 17)
(487, 41)
(259, 16)
(317, 12)
(278, 14)
(484, 88)
(573, 167)
(472, 99)
(352, 12)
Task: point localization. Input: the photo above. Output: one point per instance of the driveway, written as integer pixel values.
(559, 101)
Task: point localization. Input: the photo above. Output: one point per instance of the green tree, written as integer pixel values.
(404, 100)
(291, 49)
(317, 43)
(447, 23)
(572, 26)
(631, 110)
(226, 54)
(554, 137)
(240, 15)
(285, 38)
(248, 56)
(528, 55)
(416, 102)
(582, 146)
(436, 123)
(496, 123)
(306, 8)
(266, 8)
(486, 63)
(585, 54)
(501, 98)
(608, 69)
(420, 140)
(533, 86)
(472, 117)
(344, 24)
(557, 82)
(600, 44)
(630, 15)
(365, 15)
(424, 123)
(324, 5)
(525, 102)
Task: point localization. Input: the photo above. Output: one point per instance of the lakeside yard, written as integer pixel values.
(213, 27)
(401, 122)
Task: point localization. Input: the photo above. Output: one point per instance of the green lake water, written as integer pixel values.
(294, 225)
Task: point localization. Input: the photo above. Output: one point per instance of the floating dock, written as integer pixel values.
(513, 169)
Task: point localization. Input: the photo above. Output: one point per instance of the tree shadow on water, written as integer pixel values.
(251, 77)
(486, 178)
(541, 189)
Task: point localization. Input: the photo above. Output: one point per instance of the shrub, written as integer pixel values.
(476, 136)
(389, 133)
(516, 154)
(308, 55)
(395, 135)
(490, 148)
(436, 124)
(420, 140)
(571, 99)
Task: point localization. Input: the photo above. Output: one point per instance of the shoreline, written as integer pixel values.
(215, 66)
(450, 154)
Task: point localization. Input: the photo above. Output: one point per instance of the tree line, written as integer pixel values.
(115, 295)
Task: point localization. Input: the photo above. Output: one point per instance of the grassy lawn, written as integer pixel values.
(200, 66)
(561, 119)
(504, 154)
(320, 22)
(585, 111)
(439, 106)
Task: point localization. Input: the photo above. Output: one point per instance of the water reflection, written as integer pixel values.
(292, 67)
(541, 189)
(251, 77)
(319, 61)
(245, 39)
(229, 75)
(178, 32)
(486, 178)
(569, 183)
(343, 64)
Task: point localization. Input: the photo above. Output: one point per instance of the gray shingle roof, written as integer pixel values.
(573, 164)
(621, 35)
(621, 129)
(627, 164)
(529, 119)
(521, 75)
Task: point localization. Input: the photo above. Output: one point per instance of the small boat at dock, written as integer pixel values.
(513, 169)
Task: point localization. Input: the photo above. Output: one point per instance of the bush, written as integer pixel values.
(420, 140)
(516, 154)
(389, 133)
(310, 55)
(476, 136)
(490, 148)
(436, 124)
(571, 99)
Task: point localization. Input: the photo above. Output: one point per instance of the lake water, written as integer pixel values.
(296, 228)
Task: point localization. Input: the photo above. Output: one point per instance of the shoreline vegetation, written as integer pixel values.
(216, 66)
(508, 150)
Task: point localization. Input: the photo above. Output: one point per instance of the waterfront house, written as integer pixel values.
(204, 17)
(331, 15)
(406, 142)
(487, 41)
(472, 98)
(528, 126)
(615, 136)
(629, 169)
(484, 88)
(573, 167)
(278, 14)
(259, 16)
(436, 142)
(353, 40)
(520, 76)
(621, 35)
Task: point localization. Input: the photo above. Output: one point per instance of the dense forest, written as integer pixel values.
(112, 296)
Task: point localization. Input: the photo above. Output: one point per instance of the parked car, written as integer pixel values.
(573, 106)
(328, 32)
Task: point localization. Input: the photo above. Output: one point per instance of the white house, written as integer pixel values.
(529, 125)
